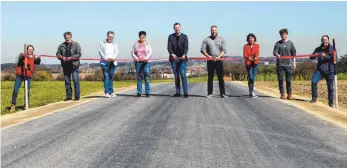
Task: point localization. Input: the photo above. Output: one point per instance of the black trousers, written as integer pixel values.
(215, 66)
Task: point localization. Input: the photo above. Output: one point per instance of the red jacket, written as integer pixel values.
(30, 65)
(249, 52)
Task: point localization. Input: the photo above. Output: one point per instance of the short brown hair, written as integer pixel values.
(110, 32)
(30, 46)
(283, 31)
(214, 26)
(67, 33)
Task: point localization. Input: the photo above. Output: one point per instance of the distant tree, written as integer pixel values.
(8, 77)
(42, 76)
(341, 65)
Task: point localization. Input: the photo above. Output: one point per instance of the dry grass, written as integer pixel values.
(303, 88)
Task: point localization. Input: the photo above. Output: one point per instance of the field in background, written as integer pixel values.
(45, 92)
(303, 88)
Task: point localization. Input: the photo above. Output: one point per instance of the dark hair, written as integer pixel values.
(142, 33)
(110, 32)
(283, 31)
(30, 46)
(251, 35)
(67, 33)
(177, 24)
(214, 26)
(324, 36)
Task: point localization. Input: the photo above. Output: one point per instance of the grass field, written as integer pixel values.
(303, 88)
(45, 92)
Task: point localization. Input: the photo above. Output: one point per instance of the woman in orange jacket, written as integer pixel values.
(20, 73)
(251, 55)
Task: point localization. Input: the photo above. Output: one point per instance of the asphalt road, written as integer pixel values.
(163, 131)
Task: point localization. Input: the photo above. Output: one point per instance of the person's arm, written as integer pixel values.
(314, 52)
(149, 52)
(169, 47)
(101, 51)
(78, 53)
(204, 49)
(59, 54)
(245, 55)
(257, 52)
(293, 52)
(133, 53)
(224, 49)
(115, 52)
(276, 50)
(186, 47)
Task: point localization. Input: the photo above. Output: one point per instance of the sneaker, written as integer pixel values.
(12, 108)
(138, 95)
(209, 96)
(185, 96)
(283, 96)
(331, 105)
(314, 100)
(224, 96)
(107, 95)
(77, 99)
(290, 97)
(147, 95)
(253, 95)
(67, 99)
(113, 95)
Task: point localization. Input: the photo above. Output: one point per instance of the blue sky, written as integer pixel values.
(43, 23)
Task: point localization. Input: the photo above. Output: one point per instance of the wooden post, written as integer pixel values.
(26, 93)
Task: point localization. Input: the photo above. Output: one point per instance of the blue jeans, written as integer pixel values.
(142, 67)
(252, 70)
(329, 77)
(17, 84)
(180, 68)
(281, 71)
(108, 71)
(68, 71)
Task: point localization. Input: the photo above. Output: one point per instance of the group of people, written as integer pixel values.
(213, 48)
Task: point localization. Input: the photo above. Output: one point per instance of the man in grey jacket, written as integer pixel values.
(214, 48)
(69, 53)
(285, 47)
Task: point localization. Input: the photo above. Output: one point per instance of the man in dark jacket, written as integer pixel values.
(325, 69)
(177, 47)
(69, 53)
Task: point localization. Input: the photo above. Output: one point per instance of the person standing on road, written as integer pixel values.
(325, 69)
(20, 75)
(177, 47)
(142, 52)
(251, 55)
(214, 48)
(285, 47)
(69, 53)
(108, 52)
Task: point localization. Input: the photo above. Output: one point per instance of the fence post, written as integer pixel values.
(26, 92)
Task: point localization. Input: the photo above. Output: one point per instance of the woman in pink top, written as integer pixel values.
(142, 52)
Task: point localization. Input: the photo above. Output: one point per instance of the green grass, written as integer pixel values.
(342, 76)
(45, 92)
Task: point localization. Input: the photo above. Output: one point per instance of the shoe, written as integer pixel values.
(331, 105)
(224, 96)
(12, 108)
(253, 95)
(67, 99)
(107, 95)
(77, 99)
(314, 100)
(185, 96)
(138, 95)
(113, 95)
(290, 97)
(148, 96)
(177, 95)
(283, 96)
(209, 96)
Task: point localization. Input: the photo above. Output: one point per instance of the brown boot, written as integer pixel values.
(12, 108)
(283, 96)
(290, 97)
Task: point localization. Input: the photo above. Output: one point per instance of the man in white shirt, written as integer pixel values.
(108, 52)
